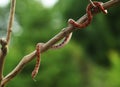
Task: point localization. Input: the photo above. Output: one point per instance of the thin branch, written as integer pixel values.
(4, 43)
(3, 52)
(2, 57)
(51, 42)
(11, 18)
(92, 3)
(19, 67)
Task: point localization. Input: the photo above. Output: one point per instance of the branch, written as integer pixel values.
(26, 59)
(4, 43)
(3, 52)
(11, 18)
(47, 45)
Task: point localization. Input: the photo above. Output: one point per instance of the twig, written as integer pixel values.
(3, 52)
(4, 42)
(47, 45)
(91, 2)
(26, 59)
(9, 29)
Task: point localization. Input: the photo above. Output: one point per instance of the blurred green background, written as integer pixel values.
(91, 59)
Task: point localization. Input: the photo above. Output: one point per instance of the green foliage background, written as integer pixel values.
(91, 59)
